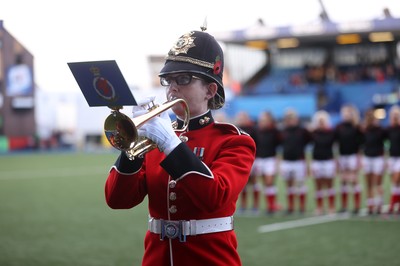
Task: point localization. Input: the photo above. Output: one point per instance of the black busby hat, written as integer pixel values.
(198, 52)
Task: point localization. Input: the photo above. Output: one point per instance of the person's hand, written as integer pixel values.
(139, 112)
(159, 130)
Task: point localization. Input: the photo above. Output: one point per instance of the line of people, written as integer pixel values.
(346, 150)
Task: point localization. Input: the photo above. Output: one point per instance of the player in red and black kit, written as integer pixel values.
(373, 161)
(394, 157)
(267, 138)
(349, 138)
(245, 123)
(293, 166)
(323, 164)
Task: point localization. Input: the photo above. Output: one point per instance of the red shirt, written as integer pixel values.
(210, 170)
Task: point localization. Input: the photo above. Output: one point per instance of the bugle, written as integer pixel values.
(122, 131)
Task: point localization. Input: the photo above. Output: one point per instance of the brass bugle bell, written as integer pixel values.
(122, 131)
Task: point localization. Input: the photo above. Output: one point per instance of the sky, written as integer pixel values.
(62, 31)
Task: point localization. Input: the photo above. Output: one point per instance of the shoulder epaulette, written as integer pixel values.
(232, 127)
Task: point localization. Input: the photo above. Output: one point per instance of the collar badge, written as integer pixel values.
(204, 120)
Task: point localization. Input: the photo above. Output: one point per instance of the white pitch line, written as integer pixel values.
(302, 222)
(313, 220)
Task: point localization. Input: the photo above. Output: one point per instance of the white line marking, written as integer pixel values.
(313, 220)
(302, 222)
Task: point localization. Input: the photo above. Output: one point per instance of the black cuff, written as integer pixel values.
(126, 166)
(181, 161)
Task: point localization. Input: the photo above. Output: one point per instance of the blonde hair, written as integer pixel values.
(290, 116)
(393, 113)
(291, 112)
(321, 115)
(354, 113)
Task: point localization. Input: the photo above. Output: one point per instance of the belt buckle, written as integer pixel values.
(172, 230)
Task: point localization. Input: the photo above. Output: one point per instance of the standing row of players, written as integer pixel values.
(343, 150)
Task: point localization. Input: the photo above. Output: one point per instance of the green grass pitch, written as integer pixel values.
(53, 213)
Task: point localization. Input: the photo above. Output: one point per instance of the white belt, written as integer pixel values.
(181, 229)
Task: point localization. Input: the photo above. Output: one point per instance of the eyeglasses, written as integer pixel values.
(183, 79)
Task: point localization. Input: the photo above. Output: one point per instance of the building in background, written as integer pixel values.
(17, 94)
(321, 65)
(306, 67)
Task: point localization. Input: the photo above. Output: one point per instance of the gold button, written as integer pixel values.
(183, 138)
(172, 196)
(173, 209)
(172, 184)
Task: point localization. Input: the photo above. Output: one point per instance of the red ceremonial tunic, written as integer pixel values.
(200, 179)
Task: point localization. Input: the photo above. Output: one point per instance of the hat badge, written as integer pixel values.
(184, 43)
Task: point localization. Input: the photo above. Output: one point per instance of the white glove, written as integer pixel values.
(159, 130)
(138, 112)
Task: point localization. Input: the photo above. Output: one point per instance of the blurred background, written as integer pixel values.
(307, 55)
